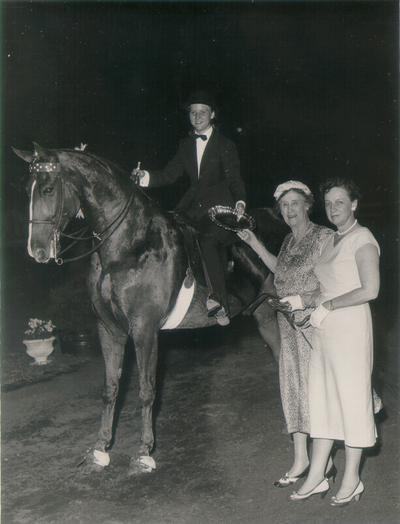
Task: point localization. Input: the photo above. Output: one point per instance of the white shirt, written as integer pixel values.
(201, 145)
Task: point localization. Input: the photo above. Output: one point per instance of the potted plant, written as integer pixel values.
(39, 338)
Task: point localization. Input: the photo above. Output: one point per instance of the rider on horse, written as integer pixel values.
(211, 162)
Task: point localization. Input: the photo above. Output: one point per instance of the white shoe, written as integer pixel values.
(321, 488)
(222, 318)
(212, 306)
(346, 500)
(287, 480)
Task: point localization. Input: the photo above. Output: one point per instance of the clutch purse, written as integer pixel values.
(229, 219)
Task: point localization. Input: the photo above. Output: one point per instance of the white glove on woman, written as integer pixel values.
(295, 302)
(318, 316)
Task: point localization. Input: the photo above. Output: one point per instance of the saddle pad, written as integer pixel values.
(180, 308)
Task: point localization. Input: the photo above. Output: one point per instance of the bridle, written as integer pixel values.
(35, 168)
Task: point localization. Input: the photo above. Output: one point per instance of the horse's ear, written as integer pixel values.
(25, 155)
(39, 151)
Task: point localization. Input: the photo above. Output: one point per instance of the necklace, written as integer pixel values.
(341, 233)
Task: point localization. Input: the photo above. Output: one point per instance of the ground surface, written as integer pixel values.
(220, 444)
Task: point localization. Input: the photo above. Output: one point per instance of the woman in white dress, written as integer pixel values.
(340, 395)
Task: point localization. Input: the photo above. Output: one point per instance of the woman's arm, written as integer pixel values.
(268, 258)
(367, 259)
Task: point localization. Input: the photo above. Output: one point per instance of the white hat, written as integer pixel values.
(291, 184)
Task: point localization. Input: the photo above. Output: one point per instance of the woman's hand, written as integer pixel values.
(310, 299)
(318, 316)
(251, 240)
(249, 237)
(295, 302)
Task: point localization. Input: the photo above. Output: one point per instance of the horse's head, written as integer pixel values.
(53, 201)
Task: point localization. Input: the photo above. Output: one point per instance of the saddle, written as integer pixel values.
(190, 236)
(239, 283)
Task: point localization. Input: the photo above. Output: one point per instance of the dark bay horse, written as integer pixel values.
(138, 265)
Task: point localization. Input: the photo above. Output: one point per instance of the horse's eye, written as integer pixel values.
(48, 190)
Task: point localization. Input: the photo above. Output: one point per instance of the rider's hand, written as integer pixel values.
(137, 175)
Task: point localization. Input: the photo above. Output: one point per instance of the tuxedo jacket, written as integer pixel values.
(218, 182)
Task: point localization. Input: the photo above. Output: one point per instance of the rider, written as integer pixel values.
(211, 163)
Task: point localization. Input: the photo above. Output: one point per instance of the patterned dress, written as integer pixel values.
(294, 275)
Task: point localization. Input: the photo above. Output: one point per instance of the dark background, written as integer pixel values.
(305, 89)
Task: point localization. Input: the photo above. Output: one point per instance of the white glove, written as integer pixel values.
(318, 316)
(295, 302)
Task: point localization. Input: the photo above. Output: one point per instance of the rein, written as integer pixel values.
(99, 236)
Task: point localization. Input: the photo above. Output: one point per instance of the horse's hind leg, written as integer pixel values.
(113, 347)
(268, 328)
(267, 321)
(146, 347)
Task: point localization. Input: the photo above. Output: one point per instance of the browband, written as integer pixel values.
(46, 167)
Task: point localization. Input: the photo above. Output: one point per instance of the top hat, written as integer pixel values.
(200, 97)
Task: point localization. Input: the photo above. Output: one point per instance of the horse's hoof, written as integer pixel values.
(142, 464)
(94, 462)
(101, 458)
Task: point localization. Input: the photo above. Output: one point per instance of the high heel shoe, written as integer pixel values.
(287, 480)
(321, 488)
(346, 500)
(331, 474)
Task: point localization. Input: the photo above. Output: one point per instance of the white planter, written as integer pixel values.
(39, 349)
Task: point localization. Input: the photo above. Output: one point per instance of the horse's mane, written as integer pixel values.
(108, 165)
(122, 175)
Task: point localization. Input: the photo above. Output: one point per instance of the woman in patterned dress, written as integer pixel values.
(340, 395)
(294, 276)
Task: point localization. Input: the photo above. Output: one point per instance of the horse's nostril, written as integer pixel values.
(40, 255)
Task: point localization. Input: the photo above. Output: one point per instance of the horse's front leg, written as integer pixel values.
(113, 348)
(146, 347)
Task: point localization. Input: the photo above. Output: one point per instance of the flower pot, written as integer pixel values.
(39, 349)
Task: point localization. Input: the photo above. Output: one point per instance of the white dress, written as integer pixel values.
(340, 397)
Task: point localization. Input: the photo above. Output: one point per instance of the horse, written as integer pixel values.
(138, 270)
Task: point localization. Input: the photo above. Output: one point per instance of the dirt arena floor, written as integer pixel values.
(220, 444)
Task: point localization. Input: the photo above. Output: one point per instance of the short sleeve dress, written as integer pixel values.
(294, 275)
(340, 397)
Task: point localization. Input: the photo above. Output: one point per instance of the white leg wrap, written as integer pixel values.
(101, 458)
(147, 463)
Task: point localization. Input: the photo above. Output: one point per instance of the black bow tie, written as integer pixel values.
(203, 137)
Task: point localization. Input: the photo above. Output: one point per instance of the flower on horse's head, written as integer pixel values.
(38, 329)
